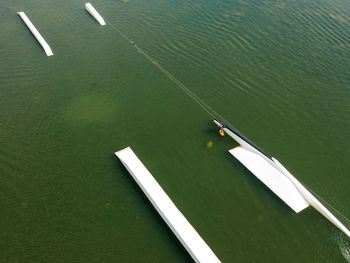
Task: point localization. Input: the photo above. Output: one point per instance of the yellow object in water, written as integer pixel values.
(209, 144)
(221, 132)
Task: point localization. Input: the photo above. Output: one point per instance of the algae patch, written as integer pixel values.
(89, 109)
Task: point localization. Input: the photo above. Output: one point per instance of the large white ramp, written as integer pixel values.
(183, 230)
(276, 177)
(36, 33)
(271, 177)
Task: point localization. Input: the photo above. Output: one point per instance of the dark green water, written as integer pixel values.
(277, 70)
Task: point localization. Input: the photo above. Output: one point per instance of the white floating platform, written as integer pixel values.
(183, 230)
(276, 177)
(95, 14)
(271, 177)
(36, 33)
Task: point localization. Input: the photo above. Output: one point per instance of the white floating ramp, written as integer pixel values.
(183, 230)
(36, 33)
(271, 177)
(95, 14)
(276, 177)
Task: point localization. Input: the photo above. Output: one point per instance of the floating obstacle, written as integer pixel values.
(36, 33)
(95, 14)
(183, 230)
(276, 177)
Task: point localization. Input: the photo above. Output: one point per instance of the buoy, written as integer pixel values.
(209, 144)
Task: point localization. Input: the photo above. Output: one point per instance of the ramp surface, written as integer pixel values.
(183, 230)
(36, 33)
(95, 14)
(271, 177)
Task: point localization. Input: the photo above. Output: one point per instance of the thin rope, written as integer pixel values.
(120, 32)
(194, 97)
(178, 83)
(339, 213)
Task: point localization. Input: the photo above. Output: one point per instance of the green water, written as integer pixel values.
(277, 70)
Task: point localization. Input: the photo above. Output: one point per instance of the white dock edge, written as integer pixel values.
(183, 230)
(36, 33)
(95, 14)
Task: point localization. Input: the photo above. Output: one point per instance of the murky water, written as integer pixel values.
(277, 70)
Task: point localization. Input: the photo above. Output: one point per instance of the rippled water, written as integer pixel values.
(277, 70)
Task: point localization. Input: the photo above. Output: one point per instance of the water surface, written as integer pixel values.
(277, 70)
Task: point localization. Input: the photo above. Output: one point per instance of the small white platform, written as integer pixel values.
(95, 14)
(36, 33)
(183, 230)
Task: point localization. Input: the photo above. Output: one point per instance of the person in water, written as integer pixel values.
(221, 129)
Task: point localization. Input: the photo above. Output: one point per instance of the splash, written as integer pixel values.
(344, 246)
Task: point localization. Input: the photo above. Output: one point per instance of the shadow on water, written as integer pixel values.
(185, 257)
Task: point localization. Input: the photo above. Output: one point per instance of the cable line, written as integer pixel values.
(194, 97)
(178, 83)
